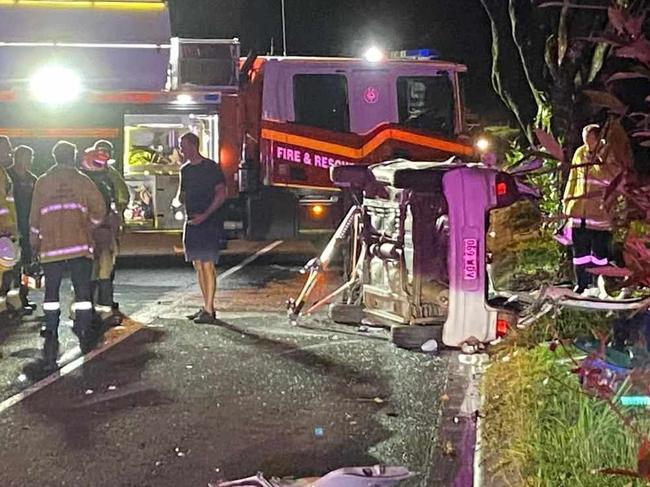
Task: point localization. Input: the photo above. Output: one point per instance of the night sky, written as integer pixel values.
(458, 29)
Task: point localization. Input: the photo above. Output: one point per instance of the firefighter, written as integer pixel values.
(94, 164)
(66, 206)
(8, 231)
(590, 224)
(120, 187)
(23, 187)
(120, 193)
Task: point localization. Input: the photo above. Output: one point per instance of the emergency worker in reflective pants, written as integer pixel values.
(120, 195)
(583, 201)
(66, 207)
(7, 226)
(23, 184)
(94, 164)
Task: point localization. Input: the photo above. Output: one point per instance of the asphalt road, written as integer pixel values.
(171, 403)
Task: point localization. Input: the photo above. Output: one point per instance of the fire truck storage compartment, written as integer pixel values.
(152, 164)
(406, 279)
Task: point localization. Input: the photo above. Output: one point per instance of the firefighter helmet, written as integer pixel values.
(94, 160)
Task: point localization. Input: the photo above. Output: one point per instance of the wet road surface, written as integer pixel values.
(179, 404)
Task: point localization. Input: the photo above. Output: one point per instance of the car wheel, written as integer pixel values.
(412, 337)
(346, 314)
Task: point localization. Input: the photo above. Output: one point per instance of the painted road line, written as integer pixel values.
(173, 301)
(78, 362)
(66, 369)
(249, 260)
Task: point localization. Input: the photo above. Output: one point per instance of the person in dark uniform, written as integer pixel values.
(23, 184)
(202, 190)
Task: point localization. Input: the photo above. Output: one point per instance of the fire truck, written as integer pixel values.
(89, 70)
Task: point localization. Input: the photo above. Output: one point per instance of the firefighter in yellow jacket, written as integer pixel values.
(65, 207)
(591, 225)
(7, 226)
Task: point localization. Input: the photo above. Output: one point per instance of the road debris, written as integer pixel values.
(430, 346)
(377, 476)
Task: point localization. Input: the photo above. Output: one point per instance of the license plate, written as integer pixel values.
(470, 259)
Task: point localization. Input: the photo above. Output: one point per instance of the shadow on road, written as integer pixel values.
(11, 322)
(349, 395)
(319, 363)
(110, 383)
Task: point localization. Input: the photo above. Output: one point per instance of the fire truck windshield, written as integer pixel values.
(426, 102)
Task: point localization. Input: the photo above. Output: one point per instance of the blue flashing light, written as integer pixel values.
(416, 54)
(213, 97)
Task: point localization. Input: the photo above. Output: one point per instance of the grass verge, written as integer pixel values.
(541, 430)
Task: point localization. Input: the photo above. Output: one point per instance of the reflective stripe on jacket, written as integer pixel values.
(7, 206)
(585, 191)
(65, 207)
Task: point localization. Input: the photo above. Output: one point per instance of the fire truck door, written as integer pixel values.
(372, 99)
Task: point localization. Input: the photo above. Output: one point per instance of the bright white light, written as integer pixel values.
(179, 215)
(374, 55)
(482, 144)
(184, 99)
(55, 85)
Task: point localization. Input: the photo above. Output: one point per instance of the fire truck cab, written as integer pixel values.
(305, 115)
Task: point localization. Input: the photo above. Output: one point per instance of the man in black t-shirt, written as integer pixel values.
(202, 190)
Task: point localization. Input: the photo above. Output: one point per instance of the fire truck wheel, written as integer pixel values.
(346, 314)
(412, 337)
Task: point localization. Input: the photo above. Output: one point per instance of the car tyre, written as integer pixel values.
(346, 314)
(412, 337)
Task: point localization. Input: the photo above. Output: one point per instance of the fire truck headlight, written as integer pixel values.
(482, 144)
(374, 55)
(179, 215)
(55, 85)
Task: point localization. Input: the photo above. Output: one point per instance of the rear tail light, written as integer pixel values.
(502, 327)
(505, 321)
(505, 189)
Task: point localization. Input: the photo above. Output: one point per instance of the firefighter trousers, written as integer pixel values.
(591, 248)
(80, 270)
(102, 276)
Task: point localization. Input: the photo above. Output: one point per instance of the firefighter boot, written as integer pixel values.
(28, 306)
(584, 279)
(52, 312)
(14, 303)
(104, 307)
(83, 326)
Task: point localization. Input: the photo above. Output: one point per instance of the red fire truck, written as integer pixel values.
(109, 69)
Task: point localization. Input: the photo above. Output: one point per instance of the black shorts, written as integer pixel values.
(202, 242)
